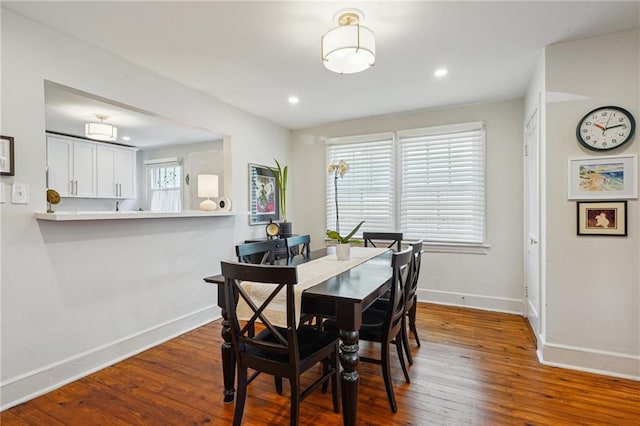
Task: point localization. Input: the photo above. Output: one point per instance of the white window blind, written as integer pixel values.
(443, 184)
(366, 191)
(164, 186)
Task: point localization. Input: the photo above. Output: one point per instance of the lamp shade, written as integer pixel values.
(207, 187)
(101, 131)
(348, 49)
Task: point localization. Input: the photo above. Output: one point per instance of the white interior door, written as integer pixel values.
(532, 199)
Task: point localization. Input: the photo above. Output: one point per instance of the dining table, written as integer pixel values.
(343, 291)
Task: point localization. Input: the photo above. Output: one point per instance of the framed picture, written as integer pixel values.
(609, 178)
(264, 198)
(602, 218)
(6, 156)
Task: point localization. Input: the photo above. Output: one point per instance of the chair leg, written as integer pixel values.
(386, 374)
(412, 320)
(278, 383)
(241, 396)
(405, 339)
(295, 400)
(399, 349)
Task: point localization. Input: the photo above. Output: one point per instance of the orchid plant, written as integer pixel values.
(338, 170)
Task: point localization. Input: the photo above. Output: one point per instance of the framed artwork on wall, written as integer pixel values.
(6, 156)
(264, 197)
(602, 218)
(608, 178)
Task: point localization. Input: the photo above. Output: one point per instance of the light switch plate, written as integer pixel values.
(20, 193)
(3, 198)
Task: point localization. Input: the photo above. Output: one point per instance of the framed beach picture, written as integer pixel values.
(610, 178)
(602, 218)
(264, 198)
(6, 156)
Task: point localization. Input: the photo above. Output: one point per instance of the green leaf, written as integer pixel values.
(348, 237)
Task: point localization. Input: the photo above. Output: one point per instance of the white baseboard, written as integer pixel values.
(34, 383)
(475, 301)
(607, 363)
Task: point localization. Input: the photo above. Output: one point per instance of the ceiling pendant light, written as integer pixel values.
(100, 131)
(349, 48)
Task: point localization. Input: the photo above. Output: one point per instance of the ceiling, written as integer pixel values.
(254, 55)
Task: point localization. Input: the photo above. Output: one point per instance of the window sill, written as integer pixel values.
(455, 248)
(433, 247)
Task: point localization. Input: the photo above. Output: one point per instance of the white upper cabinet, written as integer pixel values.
(116, 172)
(71, 167)
(86, 169)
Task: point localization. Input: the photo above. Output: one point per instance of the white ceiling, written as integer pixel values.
(254, 55)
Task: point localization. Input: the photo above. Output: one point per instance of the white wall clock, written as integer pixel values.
(606, 128)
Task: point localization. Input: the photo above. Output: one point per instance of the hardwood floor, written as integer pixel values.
(474, 368)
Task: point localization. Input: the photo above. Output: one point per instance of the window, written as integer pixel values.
(164, 185)
(364, 192)
(436, 191)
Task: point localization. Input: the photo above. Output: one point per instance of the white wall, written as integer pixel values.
(487, 281)
(78, 295)
(593, 283)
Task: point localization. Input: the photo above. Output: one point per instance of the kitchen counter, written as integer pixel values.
(111, 215)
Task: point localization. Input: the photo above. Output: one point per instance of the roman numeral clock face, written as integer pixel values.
(606, 128)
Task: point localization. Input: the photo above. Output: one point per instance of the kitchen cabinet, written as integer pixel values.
(71, 167)
(116, 168)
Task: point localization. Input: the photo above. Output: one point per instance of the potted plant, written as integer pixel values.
(280, 173)
(343, 246)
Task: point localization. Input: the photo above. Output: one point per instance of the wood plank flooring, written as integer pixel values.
(474, 368)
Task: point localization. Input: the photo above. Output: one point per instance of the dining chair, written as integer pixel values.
(388, 239)
(282, 352)
(384, 326)
(298, 245)
(260, 252)
(411, 299)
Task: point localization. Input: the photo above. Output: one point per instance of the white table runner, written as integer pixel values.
(309, 274)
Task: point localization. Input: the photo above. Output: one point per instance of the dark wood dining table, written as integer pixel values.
(344, 296)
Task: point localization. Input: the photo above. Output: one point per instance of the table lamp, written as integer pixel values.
(207, 187)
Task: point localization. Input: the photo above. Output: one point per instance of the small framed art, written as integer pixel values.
(264, 198)
(608, 178)
(602, 218)
(6, 156)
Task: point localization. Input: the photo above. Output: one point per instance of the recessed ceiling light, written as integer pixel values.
(441, 72)
(293, 100)
(126, 138)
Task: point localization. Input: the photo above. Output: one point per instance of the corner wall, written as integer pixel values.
(78, 296)
(592, 282)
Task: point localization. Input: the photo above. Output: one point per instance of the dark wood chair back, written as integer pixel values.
(260, 252)
(298, 245)
(412, 287)
(382, 239)
(284, 352)
(401, 265)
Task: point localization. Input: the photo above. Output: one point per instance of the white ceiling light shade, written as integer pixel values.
(100, 131)
(350, 47)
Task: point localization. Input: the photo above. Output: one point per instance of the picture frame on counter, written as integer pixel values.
(264, 196)
(602, 218)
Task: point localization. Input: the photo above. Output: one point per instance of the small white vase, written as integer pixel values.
(343, 251)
